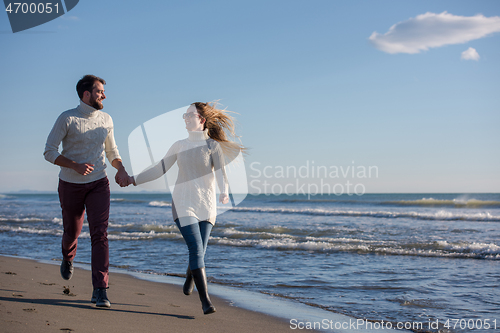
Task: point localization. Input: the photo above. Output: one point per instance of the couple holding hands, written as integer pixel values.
(87, 137)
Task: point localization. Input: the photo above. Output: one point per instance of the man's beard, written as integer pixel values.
(95, 104)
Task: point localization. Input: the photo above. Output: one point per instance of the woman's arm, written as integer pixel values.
(158, 170)
(220, 172)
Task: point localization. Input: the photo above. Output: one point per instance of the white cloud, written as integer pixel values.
(470, 54)
(434, 30)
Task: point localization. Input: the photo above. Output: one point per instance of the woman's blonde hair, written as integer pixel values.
(220, 127)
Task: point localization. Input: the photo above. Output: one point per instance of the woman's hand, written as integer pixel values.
(126, 181)
(130, 180)
(223, 198)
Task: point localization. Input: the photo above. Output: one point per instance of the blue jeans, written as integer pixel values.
(196, 237)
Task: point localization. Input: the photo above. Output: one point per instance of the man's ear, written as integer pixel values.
(86, 94)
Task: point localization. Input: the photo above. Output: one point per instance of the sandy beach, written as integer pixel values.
(34, 298)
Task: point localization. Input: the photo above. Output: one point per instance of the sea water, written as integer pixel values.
(401, 258)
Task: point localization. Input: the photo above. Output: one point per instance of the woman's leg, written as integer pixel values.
(205, 229)
(192, 236)
(199, 275)
(192, 233)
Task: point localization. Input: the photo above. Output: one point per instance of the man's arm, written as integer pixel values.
(56, 135)
(82, 168)
(113, 156)
(121, 176)
(51, 153)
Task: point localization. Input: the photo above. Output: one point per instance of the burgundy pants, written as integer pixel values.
(93, 197)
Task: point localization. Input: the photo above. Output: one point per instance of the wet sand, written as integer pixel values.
(34, 298)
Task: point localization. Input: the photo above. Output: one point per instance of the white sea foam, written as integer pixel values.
(144, 227)
(441, 215)
(457, 202)
(475, 247)
(20, 219)
(289, 244)
(261, 234)
(238, 234)
(31, 230)
(120, 225)
(159, 227)
(160, 204)
(434, 249)
(143, 235)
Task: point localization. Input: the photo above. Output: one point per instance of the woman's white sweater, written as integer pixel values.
(200, 161)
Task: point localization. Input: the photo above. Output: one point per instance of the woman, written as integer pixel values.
(194, 206)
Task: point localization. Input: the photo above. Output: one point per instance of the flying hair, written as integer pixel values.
(221, 128)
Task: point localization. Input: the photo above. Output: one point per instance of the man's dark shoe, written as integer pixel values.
(66, 269)
(101, 298)
(94, 296)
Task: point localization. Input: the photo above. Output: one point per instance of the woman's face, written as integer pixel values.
(194, 122)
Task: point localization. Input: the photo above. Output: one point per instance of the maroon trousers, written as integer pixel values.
(93, 197)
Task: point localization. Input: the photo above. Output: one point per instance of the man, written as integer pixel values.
(86, 134)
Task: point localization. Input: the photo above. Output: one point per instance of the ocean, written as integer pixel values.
(409, 258)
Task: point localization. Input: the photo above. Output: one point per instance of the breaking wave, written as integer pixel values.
(441, 215)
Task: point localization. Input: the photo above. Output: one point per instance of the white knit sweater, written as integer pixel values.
(86, 135)
(198, 158)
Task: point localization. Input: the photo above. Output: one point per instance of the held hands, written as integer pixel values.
(130, 180)
(223, 198)
(122, 178)
(126, 182)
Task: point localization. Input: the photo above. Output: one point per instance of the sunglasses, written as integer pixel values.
(190, 115)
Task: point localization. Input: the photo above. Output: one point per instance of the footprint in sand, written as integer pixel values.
(67, 292)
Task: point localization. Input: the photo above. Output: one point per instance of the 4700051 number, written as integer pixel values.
(32, 8)
(471, 324)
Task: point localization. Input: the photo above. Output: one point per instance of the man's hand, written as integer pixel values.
(122, 177)
(83, 168)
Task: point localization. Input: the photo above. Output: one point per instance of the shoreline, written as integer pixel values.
(33, 299)
(32, 288)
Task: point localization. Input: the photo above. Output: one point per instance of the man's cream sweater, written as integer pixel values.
(86, 135)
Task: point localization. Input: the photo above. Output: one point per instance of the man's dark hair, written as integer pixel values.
(86, 83)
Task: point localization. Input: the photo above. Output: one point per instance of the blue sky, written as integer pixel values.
(309, 84)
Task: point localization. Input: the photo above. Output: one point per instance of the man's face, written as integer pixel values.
(97, 96)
